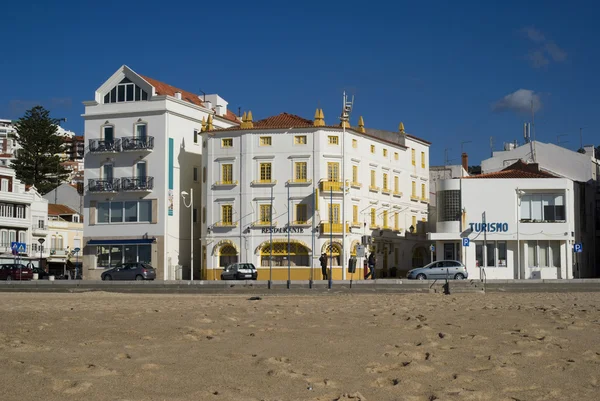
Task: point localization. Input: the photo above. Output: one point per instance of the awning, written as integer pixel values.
(136, 241)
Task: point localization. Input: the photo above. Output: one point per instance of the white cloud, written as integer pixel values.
(555, 52)
(538, 59)
(519, 101)
(534, 35)
(545, 50)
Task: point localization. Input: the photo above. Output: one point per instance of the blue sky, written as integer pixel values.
(465, 72)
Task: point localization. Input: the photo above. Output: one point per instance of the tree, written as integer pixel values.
(38, 162)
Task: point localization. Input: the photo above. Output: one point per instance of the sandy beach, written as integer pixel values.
(103, 346)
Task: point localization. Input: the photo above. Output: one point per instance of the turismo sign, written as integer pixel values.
(489, 227)
(283, 230)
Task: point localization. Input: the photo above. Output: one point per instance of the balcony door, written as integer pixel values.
(107, 172)
(334, 213)
(140, 170)
(333, 172)
(109, 134)
(140, 132)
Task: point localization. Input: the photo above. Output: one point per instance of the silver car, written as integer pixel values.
(452, 269)
(130, 271)
(239, 271)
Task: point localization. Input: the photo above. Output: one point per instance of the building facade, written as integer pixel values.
(65, 236)
(282, 191)
(144, 149)
(519, 224)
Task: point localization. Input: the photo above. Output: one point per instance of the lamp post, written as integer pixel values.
(41, 241)
(520, 193)
(191, 207)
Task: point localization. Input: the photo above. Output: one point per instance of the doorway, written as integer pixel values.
(449, 251)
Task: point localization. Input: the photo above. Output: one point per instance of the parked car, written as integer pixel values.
(130, 271)
(453, 269)
(239, 271)
(42, 274)
(15, 271)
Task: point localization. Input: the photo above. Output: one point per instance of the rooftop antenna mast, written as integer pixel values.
(446, 160)
(558, 141)
(345, 119)
(580, 138)
(533, 129)
(491, 146)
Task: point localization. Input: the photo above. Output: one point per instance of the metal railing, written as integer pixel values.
(137, 183)
(136, 143)
(335, 228)
(110, 185)
(101, 145)
(327, 186)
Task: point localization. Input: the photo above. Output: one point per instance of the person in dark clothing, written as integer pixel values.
(371, 262)
(323, 260)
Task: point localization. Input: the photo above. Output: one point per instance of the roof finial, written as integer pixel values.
(203, 124)
(322, 117)
(209, 123)
(319, 118)
(361, 125)
(244, 119)
(249, 123)
(401, 128)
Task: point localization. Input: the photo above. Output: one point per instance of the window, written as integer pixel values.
(385, 181)
(20, 212)
(141, 132)
(501, 245)
(10, 211)
(396, 184)
(119, 212)
(543, 253)
(300, 173)
(423, 192)
(385, 153)
(448, 205)
(195, 174)
(396, 221)
(385, 219)
(422, 159)
(333, 140)
(196, 136)
(414, 189)
(373, 217)
(543, 208)
(107, 171)
(555, 251)
(265, 171)
(413, 158)
(355, 143)
(354, 173)
(227, 214)
(265, 141)
(227, 142)
(354, 213)
(227, 173)
(479, 253)
(203, 174)
(108, 133)
(109, 256)
(265, 214)
(333, 171)
(53, 243)
(490, 253)
(300, 140)
(125, 91)
(372, 148)
(59, 242)
(4, 237)
(532, 259)
(41, 224)
(301, 215)
(373, 178)
(414, 223)
(4, 185)
(195, 216)
(23, 236)
(140, 170)
(395, 155)
(334, 213)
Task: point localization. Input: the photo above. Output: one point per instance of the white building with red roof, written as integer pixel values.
(143, 149)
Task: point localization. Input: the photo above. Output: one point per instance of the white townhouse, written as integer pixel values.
(143, 150)
(307, 189)
(519, 222)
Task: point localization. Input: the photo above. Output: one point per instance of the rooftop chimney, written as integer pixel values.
(178, 95)
(465, 162)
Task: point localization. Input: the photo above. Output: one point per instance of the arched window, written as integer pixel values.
(299, 254)
(227, 255)
(125, 91)
(59, 242)
(333, 251)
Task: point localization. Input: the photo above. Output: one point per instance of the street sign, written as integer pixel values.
(466, 241)
(19, 247)
(578, 248)
(360, 251)
(432, 248)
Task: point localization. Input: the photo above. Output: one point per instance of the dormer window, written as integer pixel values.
(125, 91)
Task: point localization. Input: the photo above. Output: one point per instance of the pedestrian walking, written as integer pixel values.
(323, 260)
(371, 262)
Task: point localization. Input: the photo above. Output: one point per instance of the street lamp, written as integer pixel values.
(520, 194)
(191, 207)
(41, 241)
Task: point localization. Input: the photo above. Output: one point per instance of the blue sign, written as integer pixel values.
(466, 241)
(19, 247)
(489, 227)
(578, 248)
(432, 248)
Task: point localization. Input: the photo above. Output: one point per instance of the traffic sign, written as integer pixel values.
(19, 247)
(578, 248)
(432, 248)
(360, 251)
(466, 241)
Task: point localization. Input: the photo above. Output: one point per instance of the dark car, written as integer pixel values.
(42, 274)
(15, 271)
(130, 271)
(239, 271)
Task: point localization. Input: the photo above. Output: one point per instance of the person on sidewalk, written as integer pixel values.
(323, 260)
(371, 262)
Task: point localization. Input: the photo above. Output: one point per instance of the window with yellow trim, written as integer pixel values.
(334, 213)
(422, 159)
(372, 148)
(396, 221)
(300, 140)
(354, 213)
(385, 181)
(413, 157)
(385, 219)
(384, 152)
(333, 171)
(414, 188)
(333, 139)
(423, 193)
(373, 217)
(355, 143)
(265, 214)
(265, 172)
(396, 184)
(227, 173)
(301, 215)
(395, 155)
(354, 173)
(227, 214)
(300, 173)
(414, 223)
(226, 142)
(265, 141)
(373, 178)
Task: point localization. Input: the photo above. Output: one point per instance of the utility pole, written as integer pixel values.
(580, 138)
(491, 146)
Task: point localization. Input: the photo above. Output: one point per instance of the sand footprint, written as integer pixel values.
(70, 386)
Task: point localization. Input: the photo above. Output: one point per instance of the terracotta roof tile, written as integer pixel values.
(517, 170)
(162, 88)
(57, 210)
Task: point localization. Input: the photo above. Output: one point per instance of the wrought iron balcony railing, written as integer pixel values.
(110, 185)
(105, 146)
(137, 183)
(134, 143)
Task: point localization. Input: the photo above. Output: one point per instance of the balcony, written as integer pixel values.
(260, 223)
(301, 223)
(230, 183)
(39, 231)
(263, 183)
(356, 224)
(225, 224)
(373, 188)
(374, 227)
(356, 185)
(424, 200)
(299, 181)
(132, 143)
(331, 186)
(137, 184)
(386, 191)
(105, 146)
(414, 198)
(397, 194)
(103, 186)
(333, 228)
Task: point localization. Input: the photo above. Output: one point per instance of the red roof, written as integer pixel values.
(517, 170)
(162, 88)
(283, 120)
(57, 210)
